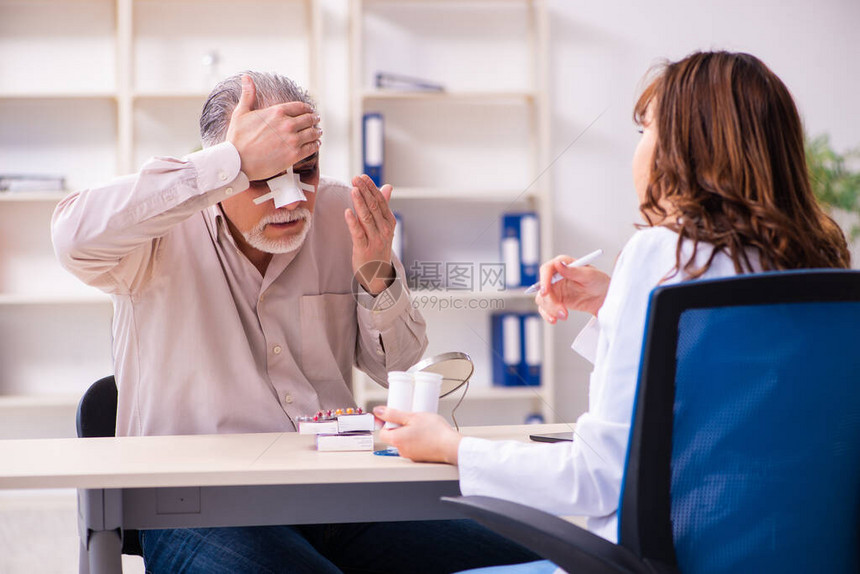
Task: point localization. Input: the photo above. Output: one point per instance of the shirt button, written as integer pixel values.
(276, 349)
(228, 191)
(288, 398)
(222, 176)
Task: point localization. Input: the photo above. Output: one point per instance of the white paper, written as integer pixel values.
(373, 140)
(344, 442)
(351, 423)
(530, 236)
(317, 427)
(511, 344)
(511, 258)
(533, 343)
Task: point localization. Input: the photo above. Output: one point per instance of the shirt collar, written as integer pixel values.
(218, 222)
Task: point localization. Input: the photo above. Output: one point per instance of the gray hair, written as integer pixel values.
(271, 89)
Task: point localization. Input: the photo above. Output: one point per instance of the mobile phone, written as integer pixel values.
(552, 437)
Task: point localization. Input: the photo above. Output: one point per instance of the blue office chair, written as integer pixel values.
(96, 417)
(744, 452)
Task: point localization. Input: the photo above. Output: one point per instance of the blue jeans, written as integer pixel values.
(435, 546)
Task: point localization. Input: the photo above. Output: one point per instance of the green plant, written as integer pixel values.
(835, 180)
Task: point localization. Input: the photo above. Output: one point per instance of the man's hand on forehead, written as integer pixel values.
(270, 138)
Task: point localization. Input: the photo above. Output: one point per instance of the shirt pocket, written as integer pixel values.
(329, 330)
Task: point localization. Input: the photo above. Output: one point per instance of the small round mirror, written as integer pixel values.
(455, 367)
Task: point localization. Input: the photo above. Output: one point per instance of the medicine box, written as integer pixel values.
(352, 441)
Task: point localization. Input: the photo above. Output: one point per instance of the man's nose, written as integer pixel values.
(293, 205)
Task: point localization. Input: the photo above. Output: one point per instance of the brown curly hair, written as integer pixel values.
(730, 162)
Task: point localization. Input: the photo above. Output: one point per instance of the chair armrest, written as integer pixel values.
(567, 545)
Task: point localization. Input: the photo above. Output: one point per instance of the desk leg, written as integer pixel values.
(83, 558)
(99, 523)
(105, 552)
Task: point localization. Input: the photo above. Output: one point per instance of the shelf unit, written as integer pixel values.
(459, 159)
(90, 89)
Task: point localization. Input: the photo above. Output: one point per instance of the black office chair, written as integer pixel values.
(96, 417)
(744, 453)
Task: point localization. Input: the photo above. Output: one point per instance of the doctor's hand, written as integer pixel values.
(422, 437)
(581, 289)
(372, 229)
(274, 138)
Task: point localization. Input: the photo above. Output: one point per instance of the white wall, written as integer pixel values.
(600, 51)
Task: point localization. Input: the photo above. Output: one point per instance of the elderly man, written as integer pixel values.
(245, 288)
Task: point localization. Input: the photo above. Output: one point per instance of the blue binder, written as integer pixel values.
(510, 247)
(507, 349)
(520, 248)
(532, 348)
(373, 135)
(529, 248)
(517, 349)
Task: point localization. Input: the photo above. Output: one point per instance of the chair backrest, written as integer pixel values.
(744, 453)
(96, 417)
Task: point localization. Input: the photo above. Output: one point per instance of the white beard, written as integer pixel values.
(257, 239)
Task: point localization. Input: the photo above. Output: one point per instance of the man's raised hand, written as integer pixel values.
(372, 230)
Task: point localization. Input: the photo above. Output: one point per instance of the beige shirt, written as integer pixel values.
(203, 343)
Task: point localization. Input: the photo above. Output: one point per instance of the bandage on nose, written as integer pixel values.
(285, 189)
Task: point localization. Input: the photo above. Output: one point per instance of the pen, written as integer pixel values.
(584, 260)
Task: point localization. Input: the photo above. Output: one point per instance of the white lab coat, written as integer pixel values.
(584, 477)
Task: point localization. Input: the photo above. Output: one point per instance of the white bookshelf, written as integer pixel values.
(458, 159)
(90, 89)
(482, 97)
(463, 194)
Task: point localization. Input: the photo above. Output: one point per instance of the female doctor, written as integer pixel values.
(721, 177)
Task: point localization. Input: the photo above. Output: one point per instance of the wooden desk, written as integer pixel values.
(228, 480)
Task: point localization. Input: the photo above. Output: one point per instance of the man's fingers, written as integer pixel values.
(359, 237)
(305, 121)
(363, 212)
(308, 135)
(294, 109)
(377, 202)
(271, 139)
(386, 190)
(382, 195)
(248, 97)
(308, 149)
